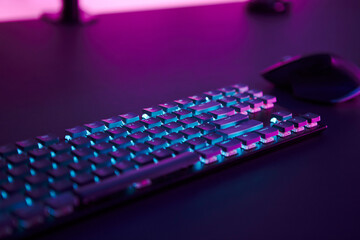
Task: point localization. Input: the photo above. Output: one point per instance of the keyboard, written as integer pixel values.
(49, 180)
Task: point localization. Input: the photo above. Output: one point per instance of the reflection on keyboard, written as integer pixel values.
(49, 178)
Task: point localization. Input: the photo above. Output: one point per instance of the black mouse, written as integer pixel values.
(323, 78)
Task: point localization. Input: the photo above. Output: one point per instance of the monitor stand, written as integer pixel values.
(70, 14)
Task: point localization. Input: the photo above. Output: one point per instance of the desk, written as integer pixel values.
(56, 77)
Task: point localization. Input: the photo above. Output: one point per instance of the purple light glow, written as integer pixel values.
(11, 10)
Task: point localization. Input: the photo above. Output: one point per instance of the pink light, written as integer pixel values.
(14, 10)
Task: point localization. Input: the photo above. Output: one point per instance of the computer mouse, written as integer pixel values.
(269, 6)
(323, 77)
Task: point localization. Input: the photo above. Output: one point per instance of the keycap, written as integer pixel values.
(312, 118)
(162, 153)
(16, 186)
(282, 115)
(240, 87)
(204, 117)
(196, 143)
(284, 126)
(76, 132)
(241, 107)
(99, 137)
(61, 205)
(169, 107)
(242, 97)
(63, 159)
(117, 132)
(197, 99)
(184, 103)
(80, 142)
(151, 122)
(101, 160)
(206, 128)
(135, 127)
(129, 117)
(173, 127)
(298, 121)
(249, 139)
(214, 95)
(95, 127)
(38, 193)
(113, 122)
(230, 121)
(48, 139)
(18, 159)
(62, 185)
(143, 159)
(83, 153)
(268, 99)
(103, 147)
(222, 112)
(174, 137)
(205, 107)
(140, 136)
(80, 166)
(183, 113)
(83, 179)
(227, 101)
(30, 216)
(180, 148)
(213, 138)
(59, 172)
(19, 171)
(7, 150)
(267, 132)
(241, 128)
(104, 172)
(41, 165)
(118, 183)
(26, 145)
(39, 153)
(230, 147)
(255, 103)
(210, 154)
(120, 155)
(227, 91)
(167, 117)
(121, 142)
(6, 225)
(156, 132)
(190, 133)
(61, 147)
(153, 111)
(37, 180)
(189, 122)
(11, 203)
(124, 166)
(255, 93)
(157, 143)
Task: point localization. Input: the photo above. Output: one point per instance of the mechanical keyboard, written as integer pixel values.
(49, 181)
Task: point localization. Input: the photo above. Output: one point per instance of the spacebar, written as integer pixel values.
(115, 184)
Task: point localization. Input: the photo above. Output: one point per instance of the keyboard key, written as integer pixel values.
(230, 121)
(83, 179)
(120, 155)
(143, 160)
(95, 127)
(173, 138)
(255, 93)
(113, 122)
(30, 216)
(61, 147)
(38, 193)
(104, 172)
(190, 133)
(76, 132)
(173, 127)
(184, 103)
(299, 123)
(241, 107)
(80, 142)
(18, 159)
(196, 143)
(103, 148)
(227, 101)
(19, 171)
(213, 138)
(151, 122)
(16, 186)
(214, 95)
(81, 166)
(135, 127)
(129, 117)
(241, 128)
(117, 132)
(284, 128)
(241, 88)
(63, 159)
(197, 99)
(153, 111)
(11, 203)
(255, 105)
(242, 97)
(27, 144)
(121, 142)
(268, 101)
(249, 140)
(189, 122)
(210, 154)
(38, 179)
(206, 128)
(59, 172)
(267, 134)
(180, 148)
(282, 115)
(48, 139)
(6, 225)
(124, 166)
(205, 107)
(101, 160)
(312, 118)
(228, 91)
(7, 150)
(140, 136)
(83, 153)
(167, 118)
(230, 147)
(61, 205)
(222, 112)
(157, 143)
(156, 132)
(41, 165)
(161, 153)
(99, 137)
(60, 186)
(183, 113)
(169, 107)
(204, 117)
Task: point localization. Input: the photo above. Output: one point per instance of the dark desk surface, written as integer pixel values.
(55, 77)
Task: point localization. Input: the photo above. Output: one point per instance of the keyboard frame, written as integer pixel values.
(183, 176)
